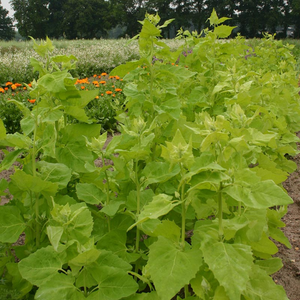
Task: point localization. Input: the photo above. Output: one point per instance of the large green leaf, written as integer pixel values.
(55, 172)
(60, 287)
(110, 272)
(11, 224)
(54, 234)
(261, 195)
(159, 206)
(230, 264)
(159, 172)
(40, 266)
(25, 182)
(54, 82)
(262, 287)
(170, 267)
(90, 193)
(9, 159)
(76, 156)
(18, 283)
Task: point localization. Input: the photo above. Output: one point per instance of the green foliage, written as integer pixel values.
(202, 149)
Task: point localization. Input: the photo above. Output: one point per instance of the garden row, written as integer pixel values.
(188, 199)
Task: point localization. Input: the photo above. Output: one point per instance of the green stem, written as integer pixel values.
(138, 208)
(183, 214)
(36, 205)
(220, 213)
(107, 192)
(138, 204)
(186, 291)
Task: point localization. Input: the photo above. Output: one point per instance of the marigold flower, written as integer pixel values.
(30, 85)
(13, 87)
(103, 74)
(118, 90)
(108, 92)
(82, 87)
(111, 77)
(24, 88)
(102, 95)
(18, 84)
(117, 77)
(102, 81)
(32, 100)
(112, 86)
(97, 97)
(94, 75)
(8, 83)
(113, 95)
(1, 90)
(6, 88)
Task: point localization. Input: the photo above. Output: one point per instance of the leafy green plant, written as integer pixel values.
(189, 194)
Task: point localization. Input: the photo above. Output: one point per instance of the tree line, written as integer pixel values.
(73, 19)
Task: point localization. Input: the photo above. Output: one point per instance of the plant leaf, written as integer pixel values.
(11, 224)
(170, 267)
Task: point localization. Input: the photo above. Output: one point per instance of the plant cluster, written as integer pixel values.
(193, 198)
(101, 110)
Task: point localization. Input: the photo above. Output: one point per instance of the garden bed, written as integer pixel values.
(289, 275)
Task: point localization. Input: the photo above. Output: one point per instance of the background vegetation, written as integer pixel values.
(73, 19)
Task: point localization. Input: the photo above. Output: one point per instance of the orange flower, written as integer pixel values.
(30, 85)
(6, 88)
(8, 83)
(111, 77)
(102, 95)
(118, 90)
(112, 86)
(32, 100)
(82, 87)
(103, 74)
(13, 87)
(102, 81)
(18, 84)
(94, 75)
(95, 82)
(108, 92)
(113, 95)
(24, 88)
(97, 97)
(1, 90)
(117, 77)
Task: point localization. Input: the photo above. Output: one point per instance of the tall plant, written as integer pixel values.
(188, 196)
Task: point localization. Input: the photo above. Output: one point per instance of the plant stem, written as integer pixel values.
(138, 208)
(220, 213)
(183, 213)
(186, 291)
(138, 204)
(107, 191)
(36, 205)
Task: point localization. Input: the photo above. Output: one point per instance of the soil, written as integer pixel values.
(289, 275)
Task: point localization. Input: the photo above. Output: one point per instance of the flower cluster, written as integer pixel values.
(107, 85)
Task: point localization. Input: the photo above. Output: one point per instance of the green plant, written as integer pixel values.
(193, 196)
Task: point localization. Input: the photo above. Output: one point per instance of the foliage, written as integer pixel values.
(7, 31)
(194, 198)
(93, 19)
